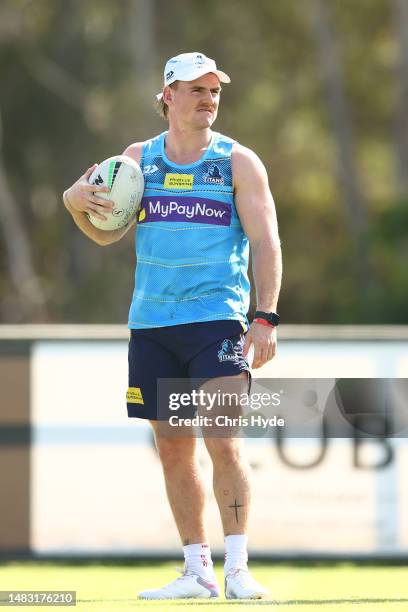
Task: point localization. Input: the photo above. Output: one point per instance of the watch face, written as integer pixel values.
(274, 318)
(271, 317)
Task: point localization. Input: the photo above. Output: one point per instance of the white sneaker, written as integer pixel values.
(239, 584)
(186, 586)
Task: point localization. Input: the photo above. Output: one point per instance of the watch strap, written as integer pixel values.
(271, 318)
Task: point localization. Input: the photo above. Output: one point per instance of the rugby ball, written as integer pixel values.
(125, 180)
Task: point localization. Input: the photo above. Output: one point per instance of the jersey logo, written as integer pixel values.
(214, 176)
(179, 181)
(182, 209)
(150, 169)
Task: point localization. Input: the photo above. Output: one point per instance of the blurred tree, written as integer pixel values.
(331, 73)
(78, 82)
(400, 17)
(31, 303)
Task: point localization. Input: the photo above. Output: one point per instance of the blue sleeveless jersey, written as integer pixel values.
(192, 253)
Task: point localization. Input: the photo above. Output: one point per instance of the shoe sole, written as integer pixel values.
(254, 596)
(213, 595)
(174, 598)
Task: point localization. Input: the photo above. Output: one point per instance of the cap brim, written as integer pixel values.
(223, 77)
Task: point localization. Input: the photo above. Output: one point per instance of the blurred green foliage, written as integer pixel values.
(77, 86)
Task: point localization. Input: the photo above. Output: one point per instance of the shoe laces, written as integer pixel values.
(185, 573)
(241, 575)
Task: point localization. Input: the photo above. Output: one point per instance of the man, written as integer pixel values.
(205, 197)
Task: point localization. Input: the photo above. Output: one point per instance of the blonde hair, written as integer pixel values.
(160, 105)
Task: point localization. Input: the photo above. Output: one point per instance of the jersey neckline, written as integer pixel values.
(184, 166)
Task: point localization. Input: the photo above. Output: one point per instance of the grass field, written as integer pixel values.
(300, 588)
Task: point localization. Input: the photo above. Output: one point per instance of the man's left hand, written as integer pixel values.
(263, 337)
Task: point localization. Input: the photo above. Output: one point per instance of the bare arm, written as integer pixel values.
(256, 210)
(81, 198)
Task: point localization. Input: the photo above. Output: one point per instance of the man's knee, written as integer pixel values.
(173, 450)
(224, 450)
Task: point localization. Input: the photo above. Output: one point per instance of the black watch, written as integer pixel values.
(270, 317)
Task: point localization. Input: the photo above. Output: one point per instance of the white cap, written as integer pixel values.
(190, 66)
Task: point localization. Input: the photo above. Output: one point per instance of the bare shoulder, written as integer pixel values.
(246, 164)
(134, 151)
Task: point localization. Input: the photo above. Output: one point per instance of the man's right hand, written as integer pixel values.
(81, 197)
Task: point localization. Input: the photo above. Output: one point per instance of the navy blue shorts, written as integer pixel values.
(192, 351)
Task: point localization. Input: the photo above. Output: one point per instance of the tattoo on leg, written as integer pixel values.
(235, 505)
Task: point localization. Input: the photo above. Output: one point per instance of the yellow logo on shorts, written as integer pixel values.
(134, 396)
(179, 181)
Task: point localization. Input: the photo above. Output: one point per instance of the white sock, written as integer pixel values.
(236, 554)
(198, 560)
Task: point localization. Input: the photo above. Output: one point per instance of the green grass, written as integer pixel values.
(301, 588)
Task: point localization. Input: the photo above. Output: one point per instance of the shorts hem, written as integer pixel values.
(222, 317)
